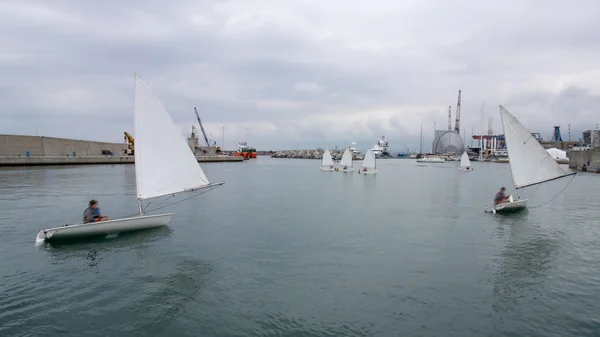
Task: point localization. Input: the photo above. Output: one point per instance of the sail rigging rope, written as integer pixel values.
(564, 188)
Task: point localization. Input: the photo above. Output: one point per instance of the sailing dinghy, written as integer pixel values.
(164, 166)
(369, 165)
(530, 164)
(346, 162)
(327, 162)
(465, 163)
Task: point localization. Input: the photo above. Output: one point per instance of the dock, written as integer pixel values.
(96, 160)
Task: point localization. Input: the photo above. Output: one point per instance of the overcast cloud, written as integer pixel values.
(299, 73)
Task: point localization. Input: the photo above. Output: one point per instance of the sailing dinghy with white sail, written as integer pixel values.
(369, 164)
(465, 163)
(164, 166)
(530, 164)
(346, 162)
(327, 162)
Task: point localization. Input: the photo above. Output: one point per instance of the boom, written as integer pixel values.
(202, 128)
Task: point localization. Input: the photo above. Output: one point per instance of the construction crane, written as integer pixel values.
(210, 143)
(457, 122)
(449, 117)
(130, 147)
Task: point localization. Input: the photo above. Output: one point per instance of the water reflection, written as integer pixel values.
(524, 262)
(92, 248)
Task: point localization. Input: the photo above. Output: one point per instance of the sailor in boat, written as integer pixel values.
(364, 169)
(345, 167)
(92, 213)
(331, 167)
(500, 197)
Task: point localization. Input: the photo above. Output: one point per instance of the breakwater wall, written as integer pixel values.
(311, 154)
(585, 159)
(34, 146)
(96, 160)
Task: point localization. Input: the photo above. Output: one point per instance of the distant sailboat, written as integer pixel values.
(164, 166)
(346, 162)
(465, 163)
(530, 164)
(369, 164)
(327, 162)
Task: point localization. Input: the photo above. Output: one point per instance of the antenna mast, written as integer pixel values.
(457, 122)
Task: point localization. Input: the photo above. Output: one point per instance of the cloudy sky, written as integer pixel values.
(299, 73)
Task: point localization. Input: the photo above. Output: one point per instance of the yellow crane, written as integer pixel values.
(130, 147)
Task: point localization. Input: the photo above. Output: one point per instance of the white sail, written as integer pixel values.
(369, 161)
(346, 159)
(529, 162)
(327, 160)
(164, 163)
(464, 160)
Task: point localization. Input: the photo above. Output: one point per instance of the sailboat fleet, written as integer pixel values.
(165, 166)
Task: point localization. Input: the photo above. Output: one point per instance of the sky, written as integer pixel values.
(299, 73)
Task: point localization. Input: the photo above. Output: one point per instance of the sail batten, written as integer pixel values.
(530, 163)
(164, 163)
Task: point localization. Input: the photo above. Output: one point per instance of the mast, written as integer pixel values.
(421, 141)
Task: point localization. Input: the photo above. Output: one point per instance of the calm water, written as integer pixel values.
(283, 249)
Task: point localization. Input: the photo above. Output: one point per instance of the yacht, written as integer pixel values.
(381, 149)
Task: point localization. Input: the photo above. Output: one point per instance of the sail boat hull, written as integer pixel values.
(329, 169)
(508, 207)
(368, 172)
(103, 227)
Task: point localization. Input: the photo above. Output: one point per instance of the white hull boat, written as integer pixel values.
(508, 207)
(369, 164)
(465, 163)
(327, 163)
(165, 166)
(530, 164)
(346, 162)
(104, 227)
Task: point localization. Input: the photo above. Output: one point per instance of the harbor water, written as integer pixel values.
(283, 249)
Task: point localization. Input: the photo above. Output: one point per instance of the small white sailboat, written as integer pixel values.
(164, 166)
(465, 163)
(346, 162)
(369, 164)
(530, 164)
(327, 162)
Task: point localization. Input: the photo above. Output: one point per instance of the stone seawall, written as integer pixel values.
(311, 154)
(96, 160)
(34, 146)
(585, 160)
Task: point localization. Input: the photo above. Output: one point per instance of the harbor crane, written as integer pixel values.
(457, 122)
(130, 144)
(209, 143)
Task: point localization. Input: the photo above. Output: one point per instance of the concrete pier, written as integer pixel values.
(585, 159)
(96, 160)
